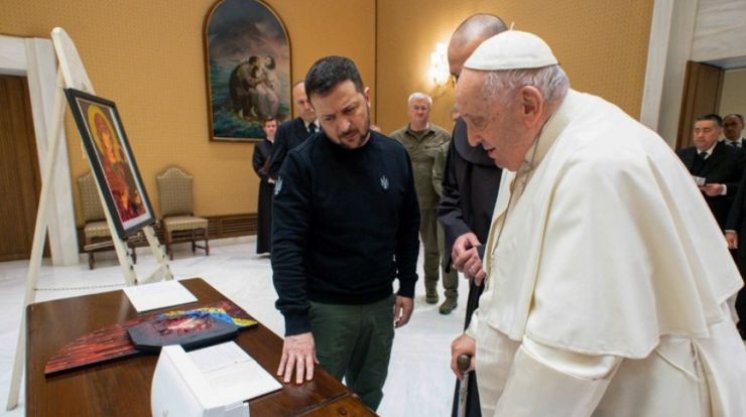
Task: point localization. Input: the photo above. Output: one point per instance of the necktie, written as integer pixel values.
(699, 162)
(312, 127)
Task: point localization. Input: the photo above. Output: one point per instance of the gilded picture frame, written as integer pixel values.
(247, 53)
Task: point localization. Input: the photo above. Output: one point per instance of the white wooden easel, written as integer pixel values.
(70, 74)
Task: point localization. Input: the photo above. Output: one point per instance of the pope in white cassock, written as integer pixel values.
(608, 281)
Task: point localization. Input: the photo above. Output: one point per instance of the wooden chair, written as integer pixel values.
(96, 233)
(177, 212)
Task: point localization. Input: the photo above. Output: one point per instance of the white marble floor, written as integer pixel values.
(420, 382)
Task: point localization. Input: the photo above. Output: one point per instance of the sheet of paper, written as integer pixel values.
(158, 295)
(232, 374)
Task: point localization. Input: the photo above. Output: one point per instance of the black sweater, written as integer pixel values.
(344, 225)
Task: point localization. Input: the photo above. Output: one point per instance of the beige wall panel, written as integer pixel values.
(148, 56)
(733, 98)
(602, 44)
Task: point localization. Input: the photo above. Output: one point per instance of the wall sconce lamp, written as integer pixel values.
(438, 71)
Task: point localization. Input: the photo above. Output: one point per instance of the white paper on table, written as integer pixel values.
(158, 295)
(232, 374)
(180, 389)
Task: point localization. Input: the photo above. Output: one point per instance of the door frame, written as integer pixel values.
(706, 31)
(669, 48)
(34, 58)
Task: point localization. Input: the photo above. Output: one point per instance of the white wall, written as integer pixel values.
(711, 31)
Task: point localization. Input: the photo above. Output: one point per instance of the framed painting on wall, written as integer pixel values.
(248, 69)
(112, 161)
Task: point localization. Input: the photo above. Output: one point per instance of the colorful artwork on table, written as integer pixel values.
(190, 329)
(113, 342)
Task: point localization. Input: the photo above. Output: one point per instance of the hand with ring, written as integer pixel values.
(465, 257)
(476, 273)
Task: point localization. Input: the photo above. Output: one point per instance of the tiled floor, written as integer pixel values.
(420, 382)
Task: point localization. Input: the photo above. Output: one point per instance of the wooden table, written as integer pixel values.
(122, 387)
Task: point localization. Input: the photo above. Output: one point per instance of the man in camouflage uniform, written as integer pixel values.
(423, 141)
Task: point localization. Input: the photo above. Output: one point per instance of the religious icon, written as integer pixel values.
(112, 161)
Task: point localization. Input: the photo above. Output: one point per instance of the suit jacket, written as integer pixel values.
(290, 134)
(470, 184)
(723, 166)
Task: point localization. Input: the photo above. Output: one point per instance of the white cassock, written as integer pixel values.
(607, 287)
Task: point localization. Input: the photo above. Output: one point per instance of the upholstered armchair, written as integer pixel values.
(177, 212)
(96, 233)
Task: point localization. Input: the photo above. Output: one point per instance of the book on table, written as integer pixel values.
(215, 381)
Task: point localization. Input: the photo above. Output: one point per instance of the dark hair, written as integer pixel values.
(267, 120)
(329, 71)
(710, 116)
(740, 117)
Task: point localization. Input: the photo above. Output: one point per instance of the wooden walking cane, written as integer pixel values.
(461, 406)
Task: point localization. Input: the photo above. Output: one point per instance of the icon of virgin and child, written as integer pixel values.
(115, 166)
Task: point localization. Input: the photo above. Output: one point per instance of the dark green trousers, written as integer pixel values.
(354, 342)
(432, 236)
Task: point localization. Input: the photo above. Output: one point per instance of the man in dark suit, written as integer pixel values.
(470, 186)
(733, 129)
(293, 132)
(260, 162)
(714, 165)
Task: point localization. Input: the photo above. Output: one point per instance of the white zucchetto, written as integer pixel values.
(509, 50)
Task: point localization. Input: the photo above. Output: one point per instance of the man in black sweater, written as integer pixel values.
(344, 226)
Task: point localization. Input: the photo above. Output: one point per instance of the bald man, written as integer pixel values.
(470, 183)
(292, 133)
